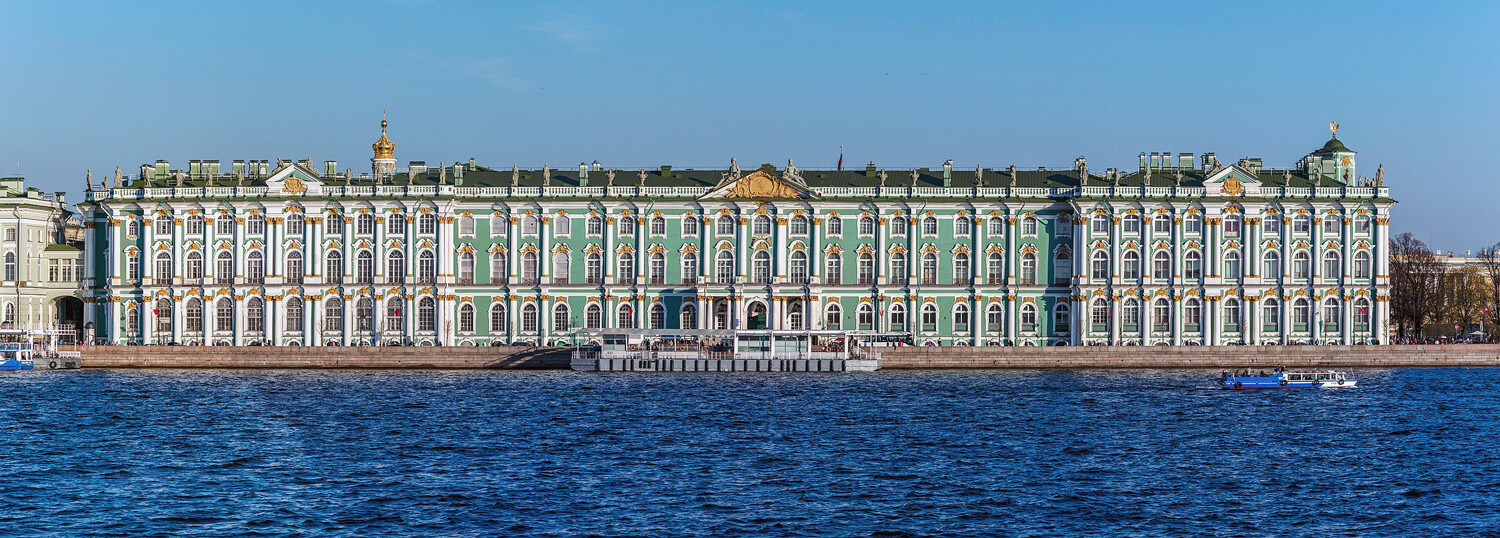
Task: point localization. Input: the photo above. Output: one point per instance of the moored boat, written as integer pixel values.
(15, 356)
(1287, 379)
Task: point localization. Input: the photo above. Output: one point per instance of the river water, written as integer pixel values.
(888, 453)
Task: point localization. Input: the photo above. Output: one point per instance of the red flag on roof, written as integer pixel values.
(841, 159)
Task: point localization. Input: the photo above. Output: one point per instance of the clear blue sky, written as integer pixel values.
(1413, 84)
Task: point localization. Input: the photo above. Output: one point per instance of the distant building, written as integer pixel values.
(40, 267)
(1170, 253)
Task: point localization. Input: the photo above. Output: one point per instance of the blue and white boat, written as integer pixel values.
(15, 356)
(1287, 379)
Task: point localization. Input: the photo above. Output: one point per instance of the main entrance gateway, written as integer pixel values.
(702, 350)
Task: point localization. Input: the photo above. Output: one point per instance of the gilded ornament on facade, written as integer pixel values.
(293, 185)
(1232, 186)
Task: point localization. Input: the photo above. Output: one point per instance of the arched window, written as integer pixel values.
(364, 224)
(1331, 315)
(1100, 265)
(1028, 317)
(1331, 265)
(333, 225)
(690, 268)
(1062, 318)
(394, 314)
(658, 226)
(898, 226)
(132, 319)
(1362, 264)
(656, 270)
(1062, 267)
(961, 226)
(193, 315)
(1232, 265)
(294, 267)
(499, 273)
(224, 267)
(561, 262)
(1161, 265)
(961, 317)
(528, 268)
(255, 224)
(833, 317)
(294, 224)
(427, 223)
(1192, 314)
(562, 225)
(427, 267)
(1361, 314)
(395, 266)
(835, 226)
(293, 314)
(426, 315)
(867, 225)
(466, 225)
(996, 226)
(255, 267)
(626, 268)
(1131, 265)
(132, 265)
(498, 320)
(333, 267)
(193, 225)
(657, 316)
(1130, 314)
(1300, 314)
(762, 225)
(1161, 314)
(961, 269)
(1162, 223)
(364, 314)
(994, 318)
(364, 267)
(593, 316)
(163, 266)
(224, 225)
(627, 225)
(529, 224)
(724, 267)
(1099, 315)
(866, 268)
(1271, 265)
(761, 267)
(625, 317)
(163, 313)
(1270, 314)
(1099, 224)
(995, 268)
(929, 268)
(1028, 268)
(898, 317)
(898, 268)
(1192, 265)
(466, 318)
(798, 265)
(1131, 223)
(1028, 226)
(1231, 314)
(528, 318)
(1331, 225)
(689, 225)
(333, 315)
(687, 317)
(864, 317)
(724, 226)
(466, 267)
(799, 225)
(133, 228)
(224, 315)
(929, 226)
(594, 226)
(835, 269)
(395, 225)
(593, 268)
(255, 315)
(1301, 265)
(562, 320)
(163, 226)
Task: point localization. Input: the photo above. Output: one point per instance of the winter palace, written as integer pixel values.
(1182, 250)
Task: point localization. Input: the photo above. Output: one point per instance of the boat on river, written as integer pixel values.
(15, 356)
(1287, 379)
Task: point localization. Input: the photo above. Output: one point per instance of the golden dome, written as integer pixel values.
(384, 149)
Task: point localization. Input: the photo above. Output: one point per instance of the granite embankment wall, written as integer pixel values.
(1219, 357)
(325, 357)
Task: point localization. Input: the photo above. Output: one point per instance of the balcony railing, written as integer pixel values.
(997, 280)
(832, 280)
(294, 279)
(866, 280)
(929, 281)
(190, 281)
(559, 281)
(658, 280)
(224, 280)
(961, 281)
(498, 279)
(691, 280)
(333, 279)
(466, 280)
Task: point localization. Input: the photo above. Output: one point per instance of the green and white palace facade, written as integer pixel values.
(1177, 251)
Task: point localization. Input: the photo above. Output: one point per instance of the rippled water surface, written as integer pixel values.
(888, 453)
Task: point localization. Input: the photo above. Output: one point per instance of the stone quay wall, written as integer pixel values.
(1215, 357)
(447, 357)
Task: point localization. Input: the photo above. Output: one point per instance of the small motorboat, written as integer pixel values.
(15, 359)
(1287, 379)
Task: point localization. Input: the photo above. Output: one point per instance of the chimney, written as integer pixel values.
(238, 167)
(1155, 161)
(161, 168)
(948, 173)
(666, 170)
(213, 168)
(597, 167)
(195, 168)
(1209, 161)
(1166, 160)
(62, 198)
(330, 168)
(870, 170)
(1185, 161)
(583, 175)
(1144, 162)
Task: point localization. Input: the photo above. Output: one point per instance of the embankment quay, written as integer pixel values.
(891, 358)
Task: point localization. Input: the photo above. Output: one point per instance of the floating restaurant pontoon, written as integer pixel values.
(724, 350)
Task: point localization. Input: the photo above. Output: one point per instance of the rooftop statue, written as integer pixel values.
(1013, 181)
(546, 175)
(88, 180)
(642, 175)
(979, 175)
(1380, 175)
(882, 178)
(609, 178)
(515, 176)
(914, 177)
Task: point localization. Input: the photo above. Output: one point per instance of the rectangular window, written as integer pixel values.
(1162, 224)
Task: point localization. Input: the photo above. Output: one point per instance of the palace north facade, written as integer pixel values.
(1178, 251)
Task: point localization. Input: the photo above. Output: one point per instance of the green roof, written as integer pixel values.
(1333, 146)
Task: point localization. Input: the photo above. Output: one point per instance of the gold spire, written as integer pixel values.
(1334, 126)
(384, 149)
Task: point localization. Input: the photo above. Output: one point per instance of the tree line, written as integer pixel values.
(1431, 298)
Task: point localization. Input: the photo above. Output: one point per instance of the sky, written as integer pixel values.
(94, 85)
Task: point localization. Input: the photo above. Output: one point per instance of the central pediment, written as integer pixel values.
(760, 184)
(293, 179)
(1231, 181)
